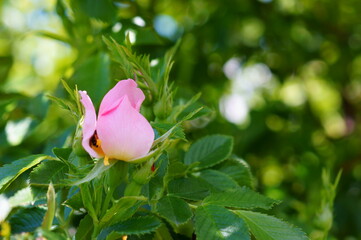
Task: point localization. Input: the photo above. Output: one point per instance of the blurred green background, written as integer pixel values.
(282, 76)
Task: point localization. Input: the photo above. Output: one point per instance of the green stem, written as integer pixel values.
(107, 201)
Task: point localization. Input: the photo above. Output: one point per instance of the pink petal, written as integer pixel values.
(124, 133)
(122, 88)
(89, 124)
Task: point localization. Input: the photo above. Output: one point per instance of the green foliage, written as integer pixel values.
(94, 75)
(189, 184)
(242, 198)
(215, 222)
(26, 219)
(188, 188)
(238, 169)
(175, 210)
(265, 227)
(9, 172)
(45, 173)
(85, 228)
(121, 210)
(209, 151)
(217, 180)
(133, 226)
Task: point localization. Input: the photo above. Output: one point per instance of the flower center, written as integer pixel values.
(95, 143)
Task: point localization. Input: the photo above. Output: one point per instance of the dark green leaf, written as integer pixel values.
(93, 76)
(265, 227)
(85, 229)
(215, 223)
(238, 169)
(75, 201)
(244, 198)
(209, 151)
(137, 226)
(26, 220)
(218, 180)
(188, 188)
(173, 209)
(9, 172)
(62, 153)
(104, 10)
(46, 172)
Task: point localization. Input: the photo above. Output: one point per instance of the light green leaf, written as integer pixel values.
(238, 169)
(97, 170)
(265, 227)
(189, 188)
(217, 223)
(175, 210)
(21, 198)
(218, 180)
(122, 209)
(9, 172)
(51, 235)
(209, 151)
(178, 132)
(133, 226)
(244, 198)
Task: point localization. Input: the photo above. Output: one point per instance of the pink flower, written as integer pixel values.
(120, 132)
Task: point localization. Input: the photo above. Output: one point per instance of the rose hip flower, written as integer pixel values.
(120, 132)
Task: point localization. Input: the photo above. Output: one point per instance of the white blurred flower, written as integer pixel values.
(5, 208)
(234, 108)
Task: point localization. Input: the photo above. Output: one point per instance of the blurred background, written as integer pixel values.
(283, 77)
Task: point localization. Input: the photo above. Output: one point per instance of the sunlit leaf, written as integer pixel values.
(216, 223)
(265, 227)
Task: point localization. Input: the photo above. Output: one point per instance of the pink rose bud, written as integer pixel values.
(120, 132)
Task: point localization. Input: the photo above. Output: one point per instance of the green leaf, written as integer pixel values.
(62, 153)
(175, 210)
(155, 188)
(189, 188)
(209, 151)
(244, 198)
(75, 201)
(238, 169)
(21, 197)
(133, 226)
(96, 171)
(85, 229)
(93, 75)
(26, 220)
(65, 104)
(51, 235)
(9, 172)
(265, 227)
(103, 10)
(215, 223)
(46, 172)
(218, 180)
(122, 209)
(178, 132)
(176, 169)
